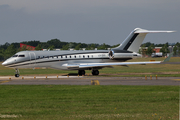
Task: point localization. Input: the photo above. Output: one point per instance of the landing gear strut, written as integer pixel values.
(95, 72)
(16, 73)
(81, 72)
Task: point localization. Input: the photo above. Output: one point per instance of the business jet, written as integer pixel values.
(83, 60)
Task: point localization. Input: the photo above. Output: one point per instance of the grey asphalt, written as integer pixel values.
(74, 80)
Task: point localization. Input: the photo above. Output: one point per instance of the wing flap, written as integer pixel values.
(91, 65)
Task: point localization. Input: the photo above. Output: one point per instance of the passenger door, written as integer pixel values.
(32, 57)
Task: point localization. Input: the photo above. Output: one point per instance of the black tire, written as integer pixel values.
(95, 72)
(16, 75)
(81, 72)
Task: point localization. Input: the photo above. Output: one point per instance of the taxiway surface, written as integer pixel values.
(86, 80)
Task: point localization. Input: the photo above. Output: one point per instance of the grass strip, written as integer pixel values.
(89, 102)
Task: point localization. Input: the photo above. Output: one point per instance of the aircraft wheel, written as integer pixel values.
(16, 75)
(81, 72)
(95, 72)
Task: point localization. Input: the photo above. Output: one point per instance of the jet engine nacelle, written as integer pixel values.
(114, 54)
(111, 54)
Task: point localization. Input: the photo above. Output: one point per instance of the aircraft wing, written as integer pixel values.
(101, 65)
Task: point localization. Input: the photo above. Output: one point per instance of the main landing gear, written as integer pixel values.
(94, 72)
(81, 72)
(17, 73)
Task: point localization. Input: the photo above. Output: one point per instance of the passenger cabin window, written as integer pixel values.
(74, 56)
(79, 56)
(83, 56)
(70, 56)
(66, 56)
(88, 56)
(21, 56)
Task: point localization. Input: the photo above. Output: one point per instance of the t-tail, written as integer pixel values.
(135, 39)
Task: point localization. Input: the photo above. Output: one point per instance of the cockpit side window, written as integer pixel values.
(14, 55)
(21, 56)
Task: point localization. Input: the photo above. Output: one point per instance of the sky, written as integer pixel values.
(88, 21)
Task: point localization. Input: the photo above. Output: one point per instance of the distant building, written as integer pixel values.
(157, 50)
(28, 47)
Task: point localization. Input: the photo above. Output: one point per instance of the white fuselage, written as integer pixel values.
(57, 59)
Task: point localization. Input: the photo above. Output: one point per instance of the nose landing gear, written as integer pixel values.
(17, 73)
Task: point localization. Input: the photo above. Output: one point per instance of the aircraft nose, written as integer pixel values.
(4, 63)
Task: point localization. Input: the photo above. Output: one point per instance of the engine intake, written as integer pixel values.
(111, 54)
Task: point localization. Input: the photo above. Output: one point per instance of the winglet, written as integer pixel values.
(168, 58)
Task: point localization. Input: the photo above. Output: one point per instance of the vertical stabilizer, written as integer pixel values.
(135, 39)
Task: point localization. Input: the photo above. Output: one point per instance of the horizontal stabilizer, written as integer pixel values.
(152, 31)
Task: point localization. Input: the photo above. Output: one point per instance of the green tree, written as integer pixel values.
(65, 47)
(150, 50)
(56, 42)
(175, 50)
(10, 51)
(51, 47)
(78, 47)
(71, 45)
(39, 47)
(147, 44)
(103, 47)
(5, 46)
(178, 48)
(2, 54)
(165, 49)
(32, 43)
(114, 46)
(91, 47)
(143, 50)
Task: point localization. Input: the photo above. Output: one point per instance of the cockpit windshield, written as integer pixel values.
(21, 56)
(18, 56)
(14, 55)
